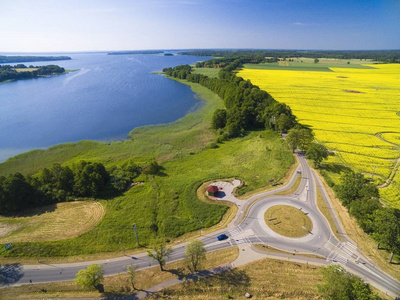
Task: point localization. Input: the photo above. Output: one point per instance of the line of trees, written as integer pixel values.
(18, 59)
(361, 198)
(260, 55)
(62, 183)
(8, 72)
(247, 107)
(341, 285)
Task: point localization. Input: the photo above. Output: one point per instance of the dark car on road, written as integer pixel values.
(222, 237)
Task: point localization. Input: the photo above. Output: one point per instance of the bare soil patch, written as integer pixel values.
(354, 91)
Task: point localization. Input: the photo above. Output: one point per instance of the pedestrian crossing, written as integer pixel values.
(335, 257)
(238, 236)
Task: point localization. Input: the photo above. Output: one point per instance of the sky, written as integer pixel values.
(99, 25)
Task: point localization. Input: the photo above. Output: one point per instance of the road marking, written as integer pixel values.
(351, 245)
(337, 258)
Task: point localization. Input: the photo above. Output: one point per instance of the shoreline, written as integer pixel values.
(198, 94)
(196, 107)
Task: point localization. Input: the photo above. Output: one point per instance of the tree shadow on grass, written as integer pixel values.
(30, 212)
(233, 278)
(179, 272)
(334, 168)
(10, 274)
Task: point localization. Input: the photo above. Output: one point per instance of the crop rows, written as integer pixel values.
(355, 112)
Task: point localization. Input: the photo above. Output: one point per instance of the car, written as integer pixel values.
(222, 237)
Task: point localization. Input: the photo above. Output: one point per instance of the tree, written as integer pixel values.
(160, 253)
(299, 138)
(153, 168)
(219, 119)
(354, 186)
(341, 285)
(363, 211)
(387, 228)
(90, 277)
(90, 179)
(195, 254)
(316, 60)
(317, 152)
(131, 270)
(16, 193)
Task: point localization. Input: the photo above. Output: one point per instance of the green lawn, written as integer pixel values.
(164, 205)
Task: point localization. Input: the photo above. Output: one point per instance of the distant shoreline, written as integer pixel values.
(26, 58)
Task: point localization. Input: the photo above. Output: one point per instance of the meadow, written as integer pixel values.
(165, 204)
(353, 109)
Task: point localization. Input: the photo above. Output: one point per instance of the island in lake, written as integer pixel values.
(20, 71)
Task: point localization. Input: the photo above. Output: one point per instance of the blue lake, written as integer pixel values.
(108, 97)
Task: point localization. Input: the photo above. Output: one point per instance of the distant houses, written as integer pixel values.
(212, 190)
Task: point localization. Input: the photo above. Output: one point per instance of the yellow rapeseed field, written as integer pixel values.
(354, 112)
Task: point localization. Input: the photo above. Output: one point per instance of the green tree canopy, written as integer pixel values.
(354, 186)
(341, 285)
(317, 153)
(195, 254)
(160, 252)
(92, 276)
(387, 228)
(90, 178)
(219, 119)
(299, 138)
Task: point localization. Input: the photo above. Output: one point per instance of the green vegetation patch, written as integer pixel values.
(288, 221)
(308, 64)
(164, 205)
(210, 72)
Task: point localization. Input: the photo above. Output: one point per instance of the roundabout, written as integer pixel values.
(250, 227)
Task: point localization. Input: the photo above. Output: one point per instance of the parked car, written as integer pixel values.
(222, 237)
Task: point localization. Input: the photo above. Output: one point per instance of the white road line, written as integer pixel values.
(348, 251)
(351, 245)
(339, 258)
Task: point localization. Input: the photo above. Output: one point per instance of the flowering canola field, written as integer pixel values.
(354, 112)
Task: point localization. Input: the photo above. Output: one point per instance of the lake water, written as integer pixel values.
(108, 97)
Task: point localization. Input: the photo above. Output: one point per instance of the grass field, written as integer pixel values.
(165, 205)
(52, 222)
(307, 64)
(353, 111)
(264, 279)
(288, 221)
(210, 72)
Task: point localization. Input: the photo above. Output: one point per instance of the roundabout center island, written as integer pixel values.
(288, 221)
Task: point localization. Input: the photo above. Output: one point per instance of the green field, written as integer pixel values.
(308, 64)
(210, 72)
(164, 205)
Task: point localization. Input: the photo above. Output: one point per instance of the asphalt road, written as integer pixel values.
(247, 227)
